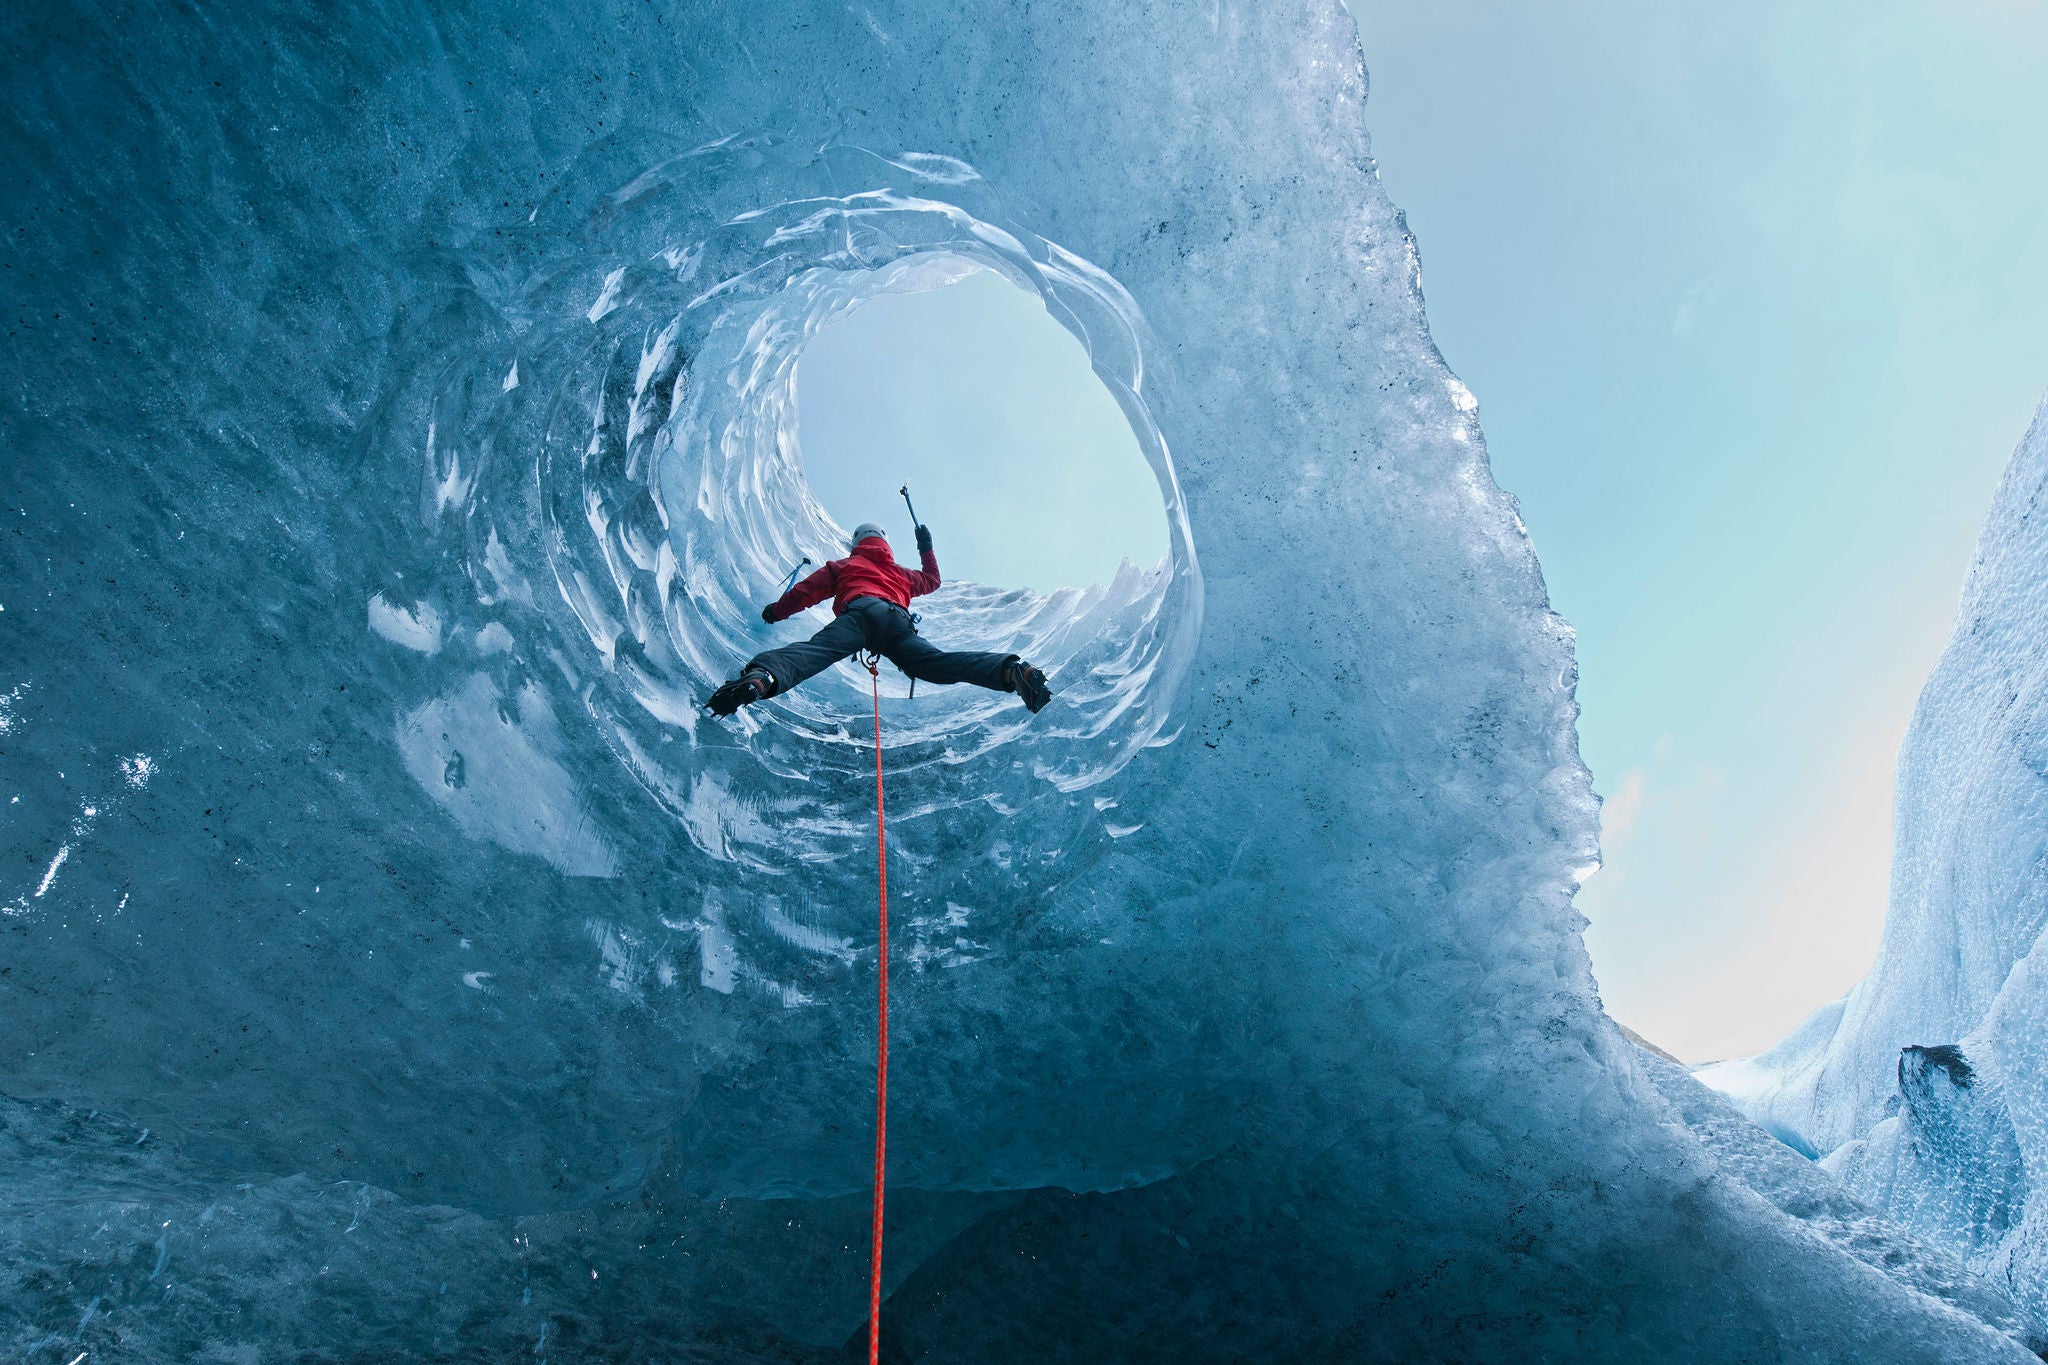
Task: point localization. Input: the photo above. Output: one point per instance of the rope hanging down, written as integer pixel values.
(873, 663)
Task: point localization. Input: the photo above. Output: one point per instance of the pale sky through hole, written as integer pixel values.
(1018, 458)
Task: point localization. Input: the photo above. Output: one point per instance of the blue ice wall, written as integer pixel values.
(398, 440)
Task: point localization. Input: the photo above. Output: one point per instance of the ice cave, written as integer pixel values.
(398, 964)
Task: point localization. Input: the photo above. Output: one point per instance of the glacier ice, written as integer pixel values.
(1923, 1088)
(397, 967)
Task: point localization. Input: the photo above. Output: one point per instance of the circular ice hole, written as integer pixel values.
(971, 392)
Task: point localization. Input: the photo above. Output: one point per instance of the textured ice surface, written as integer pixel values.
(398, 439)
(1924, 1087)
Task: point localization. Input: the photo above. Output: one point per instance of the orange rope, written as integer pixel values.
(882, 1049)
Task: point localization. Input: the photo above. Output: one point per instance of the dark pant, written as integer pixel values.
(886, 629)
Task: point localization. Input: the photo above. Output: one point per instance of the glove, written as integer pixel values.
(768, 614)
(924, 540)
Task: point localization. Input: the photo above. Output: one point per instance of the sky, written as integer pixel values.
(1016, 456)
(1752, 296)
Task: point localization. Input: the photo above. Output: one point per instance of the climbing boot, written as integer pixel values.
(1028, 683)
(748, 688)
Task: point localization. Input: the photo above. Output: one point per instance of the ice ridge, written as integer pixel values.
(1922, 1088)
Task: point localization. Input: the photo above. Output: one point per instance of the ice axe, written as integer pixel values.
(790, 581)
(905, 491)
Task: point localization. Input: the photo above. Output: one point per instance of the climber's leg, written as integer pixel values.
(791, 664)
(926, 662)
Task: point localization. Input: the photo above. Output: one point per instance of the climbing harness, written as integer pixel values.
(872, 662)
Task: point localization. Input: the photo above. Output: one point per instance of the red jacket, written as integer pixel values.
(870, 571)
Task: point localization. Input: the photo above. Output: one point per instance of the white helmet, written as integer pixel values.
(866, 530)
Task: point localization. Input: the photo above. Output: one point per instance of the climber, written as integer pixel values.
(871, 596)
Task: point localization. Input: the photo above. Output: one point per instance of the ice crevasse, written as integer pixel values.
(397, 966)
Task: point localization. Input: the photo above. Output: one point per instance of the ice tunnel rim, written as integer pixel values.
(742, 404)
(638, 392)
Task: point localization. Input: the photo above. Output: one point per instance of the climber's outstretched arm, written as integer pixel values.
(926, 578)
(813, 590)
